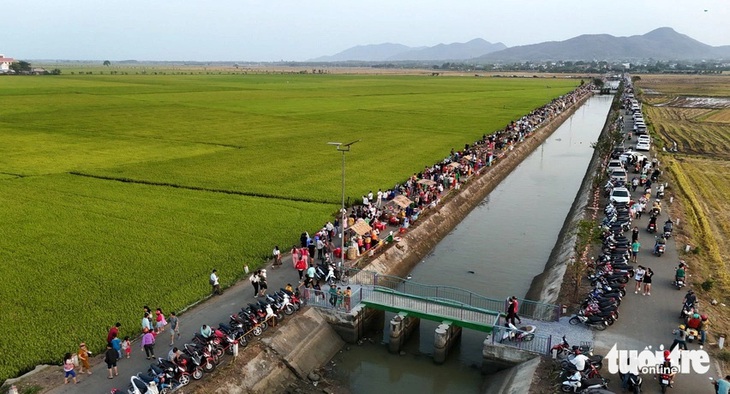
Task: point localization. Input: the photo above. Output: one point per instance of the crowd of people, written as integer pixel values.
(425, 189)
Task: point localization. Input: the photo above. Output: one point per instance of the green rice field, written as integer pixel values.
(217, 168)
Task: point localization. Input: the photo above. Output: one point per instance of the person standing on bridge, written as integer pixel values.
(512, 309)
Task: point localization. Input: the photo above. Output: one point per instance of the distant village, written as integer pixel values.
(8, 65)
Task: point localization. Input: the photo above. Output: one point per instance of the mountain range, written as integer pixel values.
(660, 44)
(397, 52)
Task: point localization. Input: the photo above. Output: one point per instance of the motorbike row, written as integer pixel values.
(206, 352)
(600, 308)
(587, 380)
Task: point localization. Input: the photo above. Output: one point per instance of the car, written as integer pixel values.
(644, 138)
(618, 151)
(614, 165)
(620, 196)
(619, 176)
(643, 146)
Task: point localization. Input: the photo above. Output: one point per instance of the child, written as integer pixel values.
(84, 354)
(339, 297)
(127, 346)
(117, 345)
(348, 296)
(68, 369)
(161, 322)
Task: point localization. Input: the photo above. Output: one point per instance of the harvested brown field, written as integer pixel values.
(691, 130)
(686, 85)
(691, 110)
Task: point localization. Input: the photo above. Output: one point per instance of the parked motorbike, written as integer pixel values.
(196, 362)
(563, 349)
(576, 383)
(293, 298)
(164, 382)
(175, 372)
(236, 332)
(139, 386)
(596, 322)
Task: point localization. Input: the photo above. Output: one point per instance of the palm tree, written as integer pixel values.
(107, 63)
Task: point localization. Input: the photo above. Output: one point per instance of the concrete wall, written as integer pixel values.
(400, 259)
(514, 380)
(353, 325)
(305, 343)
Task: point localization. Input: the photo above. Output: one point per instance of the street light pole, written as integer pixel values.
(343, 148)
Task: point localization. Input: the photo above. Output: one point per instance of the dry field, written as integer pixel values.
(699, 176)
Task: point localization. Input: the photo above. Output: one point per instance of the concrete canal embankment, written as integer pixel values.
(546, 286)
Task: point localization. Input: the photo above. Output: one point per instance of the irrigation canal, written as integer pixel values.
(495, 251)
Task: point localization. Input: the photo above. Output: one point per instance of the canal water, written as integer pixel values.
(495, 251)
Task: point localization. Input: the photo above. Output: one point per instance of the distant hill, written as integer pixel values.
(455, 51)
(398, 52)
(374, 52)
(660, 44)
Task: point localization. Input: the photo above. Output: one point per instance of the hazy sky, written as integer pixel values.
(272, 30)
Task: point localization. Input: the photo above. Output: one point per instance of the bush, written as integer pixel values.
(696, 250)
(707, 285)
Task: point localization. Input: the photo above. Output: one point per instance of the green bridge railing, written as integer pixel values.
(527, 308)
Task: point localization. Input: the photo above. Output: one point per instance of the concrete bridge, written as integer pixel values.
(453, 307)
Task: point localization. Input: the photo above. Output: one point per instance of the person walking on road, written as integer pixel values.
(680, 338)
(301, 266)
(148, 344)
(112, 331)
(263, 285)
(634, 234)
(294, 256)
(254, 279)
(214, 282)
(84, 354)
(635, 245)
(277, 256)
(174, 327)
(127, 346)
(639, 277)
(146, 324)
(160, 321)
(68, 369)
(647, 281)
(110, 358)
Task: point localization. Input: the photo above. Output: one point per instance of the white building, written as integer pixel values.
(5, 63)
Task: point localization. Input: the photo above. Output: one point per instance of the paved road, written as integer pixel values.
(649, 320)
(212, 311)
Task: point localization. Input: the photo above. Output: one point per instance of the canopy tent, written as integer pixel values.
(454, 165)
(426, 182)
(402, 201)
(361, 227)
